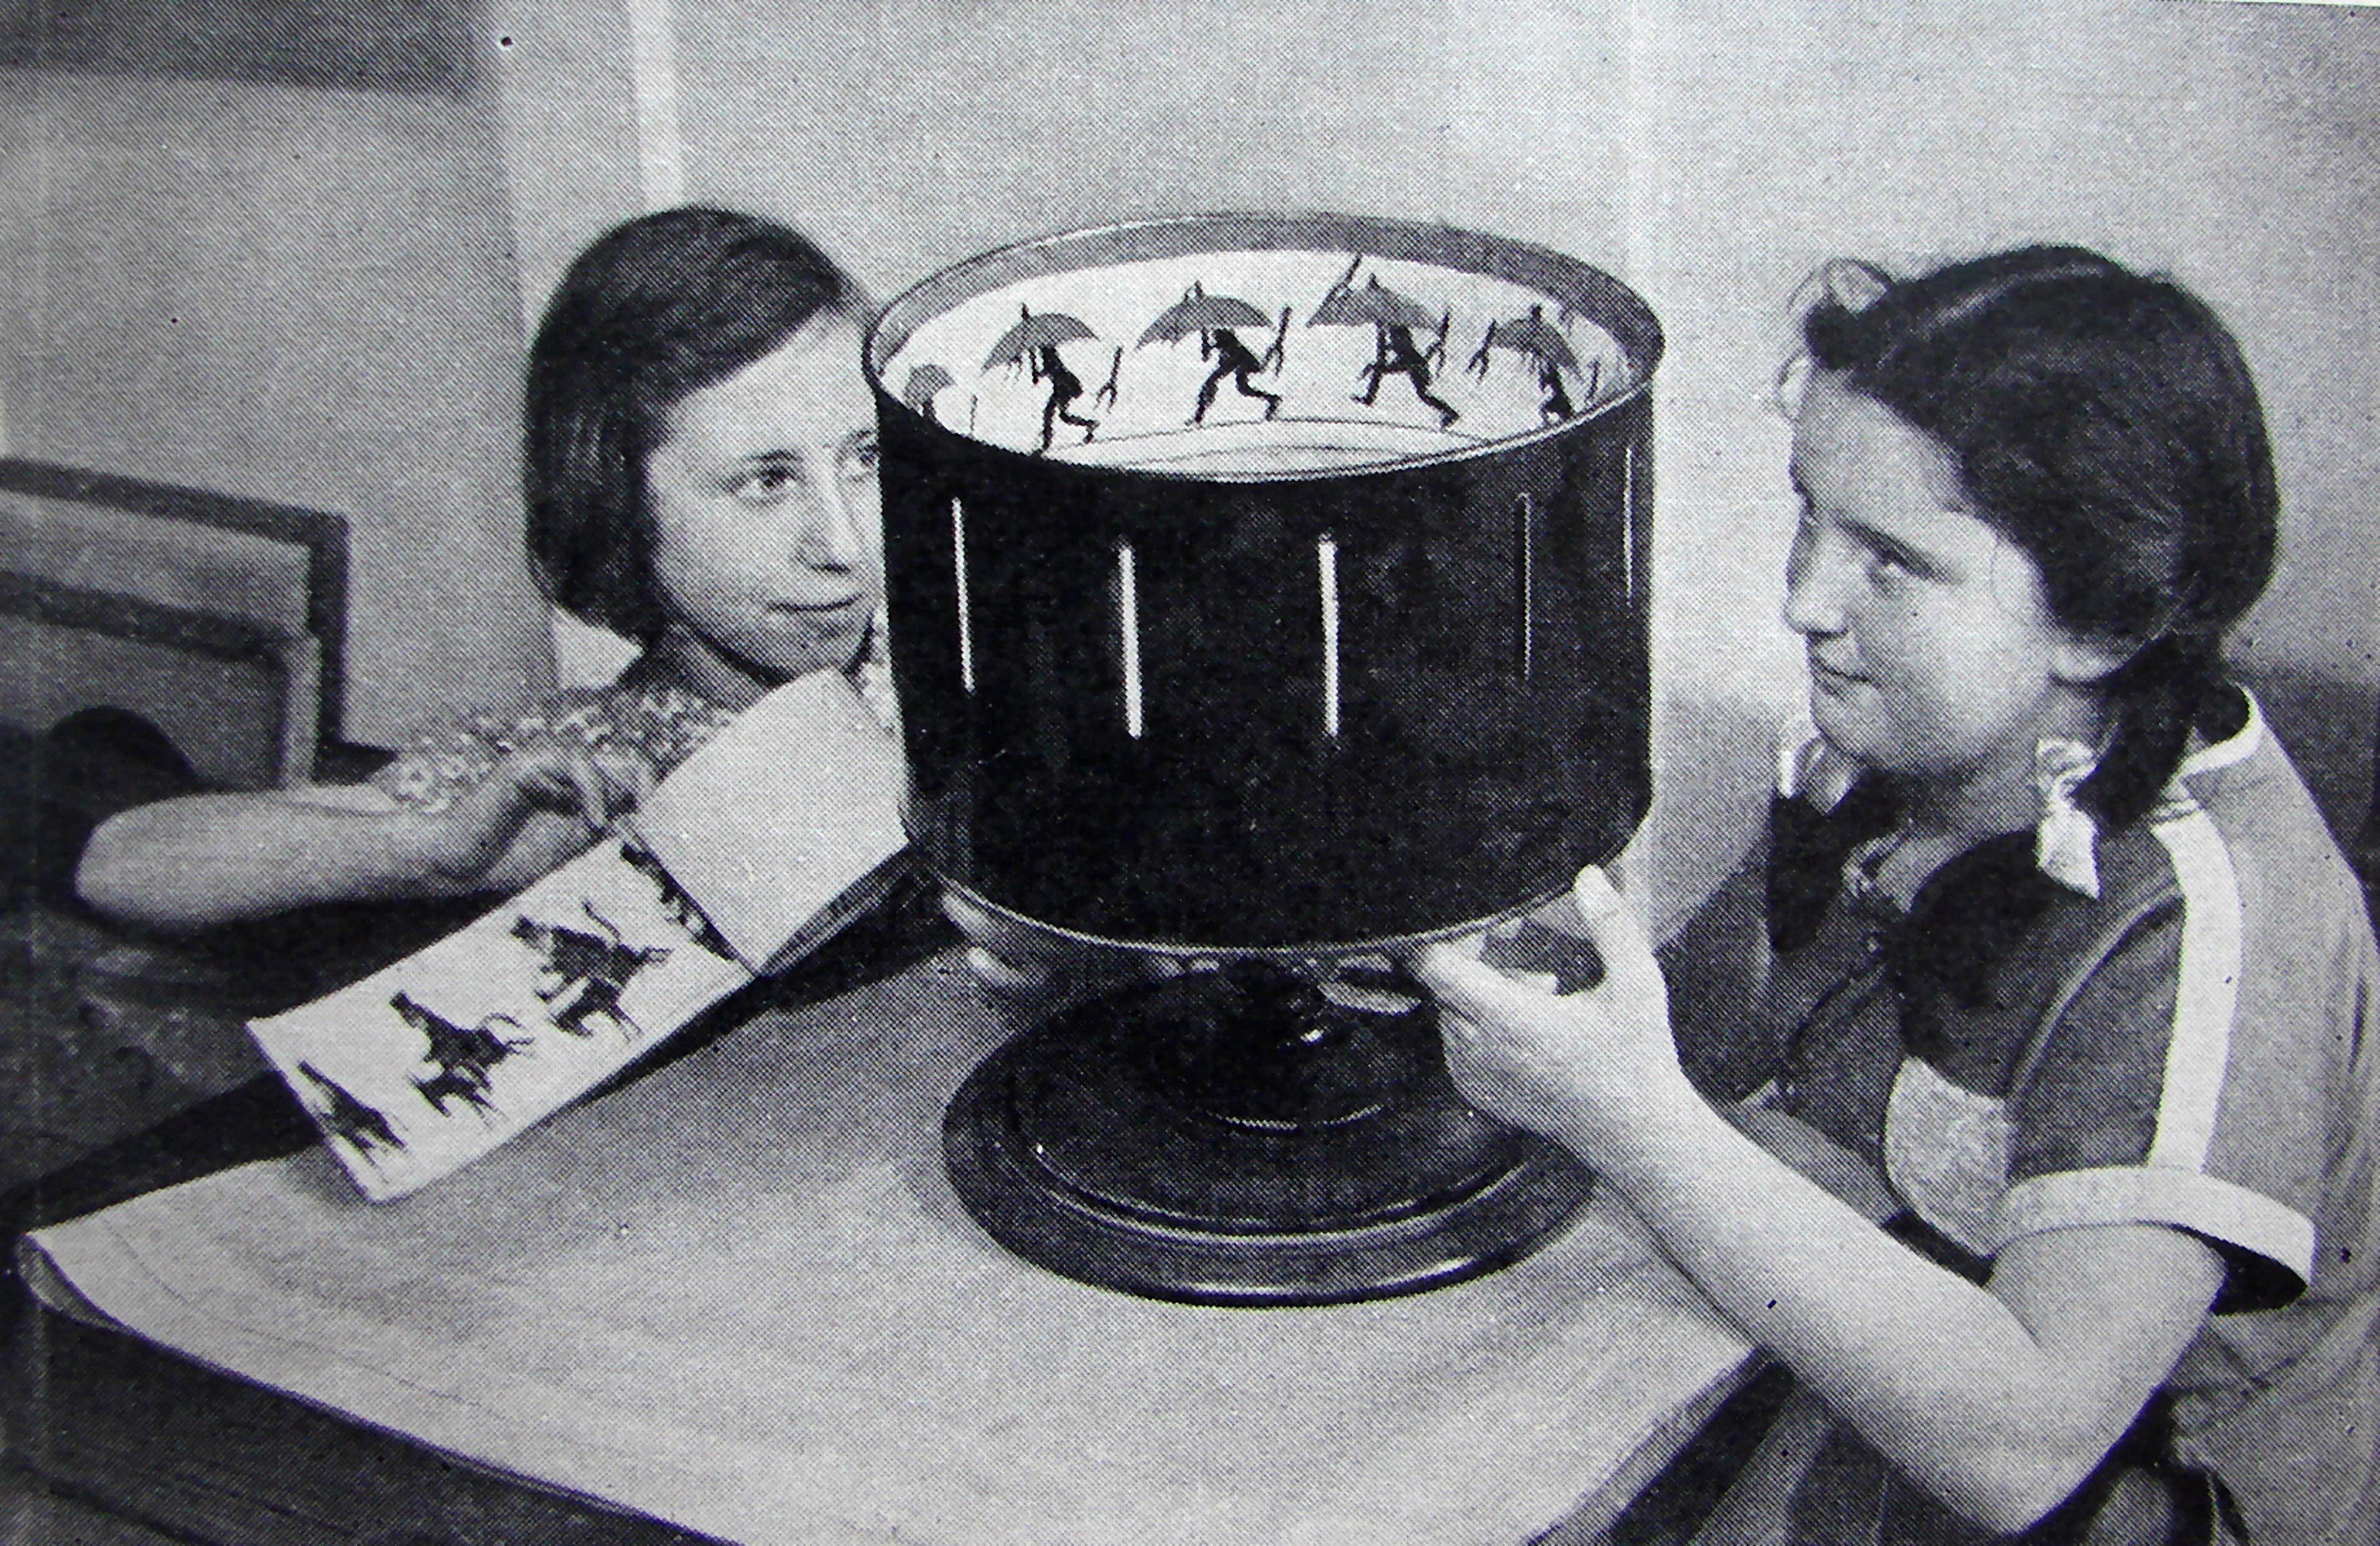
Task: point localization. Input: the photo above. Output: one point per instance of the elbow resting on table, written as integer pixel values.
(2016, 1447)
(189, 865)
(137, 872)
(2008, 1483)
(108, 875)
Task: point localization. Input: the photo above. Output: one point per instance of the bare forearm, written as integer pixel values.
(1997, 1400)
(210, 860)
(1942, 1375)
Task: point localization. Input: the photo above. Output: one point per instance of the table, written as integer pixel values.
(779, 1326)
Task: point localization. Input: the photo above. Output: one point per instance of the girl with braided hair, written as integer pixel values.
(2018, 1095)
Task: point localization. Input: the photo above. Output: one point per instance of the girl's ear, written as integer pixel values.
(2085, 660)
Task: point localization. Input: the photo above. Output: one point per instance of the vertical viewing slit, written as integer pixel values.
(1128, 630)
(1628, 522)
(1325, 554)
(1524, 581)
(966, 626)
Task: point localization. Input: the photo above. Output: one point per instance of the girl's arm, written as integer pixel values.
(209, 859)
(1998, 1400)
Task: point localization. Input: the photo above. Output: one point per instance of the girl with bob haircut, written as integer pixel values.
(700, 476)
(2017, 1095)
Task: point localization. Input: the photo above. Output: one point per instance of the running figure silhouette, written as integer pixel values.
(1231, 358)
(1064, 387)
(1557, 404)
(1397, 355)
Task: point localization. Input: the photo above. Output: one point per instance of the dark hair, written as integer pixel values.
(656, 309)
(2106, 422)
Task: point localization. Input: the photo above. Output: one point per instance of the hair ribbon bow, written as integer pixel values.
(2066, 843)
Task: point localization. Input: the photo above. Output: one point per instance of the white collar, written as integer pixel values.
(2066, 842)
(2238, 748)
(2066, 837)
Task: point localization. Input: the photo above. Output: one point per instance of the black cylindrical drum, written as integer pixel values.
(1269, 583)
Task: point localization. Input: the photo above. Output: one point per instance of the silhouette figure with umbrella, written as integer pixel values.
(1393, 319)
(1540, 341)
(1035, 340)
(926, 382)
(1216, 319)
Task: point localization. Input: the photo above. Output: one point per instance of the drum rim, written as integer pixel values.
(1600, 295)
(1322, 956)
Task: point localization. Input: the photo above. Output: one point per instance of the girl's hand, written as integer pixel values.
(537, 810)
(1038, 973)
(1580, 1068)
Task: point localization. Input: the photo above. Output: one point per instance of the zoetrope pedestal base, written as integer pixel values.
(1243, 1136)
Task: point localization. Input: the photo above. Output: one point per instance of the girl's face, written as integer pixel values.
(767, 543)
(1932, 651)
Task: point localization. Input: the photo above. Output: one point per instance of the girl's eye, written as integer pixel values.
(764, 485)
(858, 463)
(1887, 564)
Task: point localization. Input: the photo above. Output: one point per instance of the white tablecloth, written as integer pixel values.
(739, 1296)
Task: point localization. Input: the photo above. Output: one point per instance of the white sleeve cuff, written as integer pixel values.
(2159, 1194)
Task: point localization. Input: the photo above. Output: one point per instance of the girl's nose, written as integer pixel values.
(831, 537)
(1814, 592)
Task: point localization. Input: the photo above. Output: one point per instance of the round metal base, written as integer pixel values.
(1239, 1138)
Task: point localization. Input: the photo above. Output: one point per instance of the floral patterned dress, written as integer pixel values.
(659, 720)
(663, 723)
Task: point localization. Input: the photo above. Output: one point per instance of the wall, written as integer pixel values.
(251, 275)
(915, 135)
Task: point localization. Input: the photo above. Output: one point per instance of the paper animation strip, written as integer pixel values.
(775, 834)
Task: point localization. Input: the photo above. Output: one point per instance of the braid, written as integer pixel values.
(2174, 684)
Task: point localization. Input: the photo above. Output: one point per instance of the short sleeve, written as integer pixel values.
(2085, 1125)
(443, 766)
(2092, 1101)
(664, 726)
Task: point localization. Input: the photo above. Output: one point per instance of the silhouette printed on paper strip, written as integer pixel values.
(1035, 340)
(1393, 319)
(470, 1053)
(676, 905)
(349, 1120)
(1064, 387)
(1216, 319)
(583, 975)
(1540, 341)
(453, 1084)
(925, 383)
(1556, 405)
(1398, 356)
(1233, 359)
